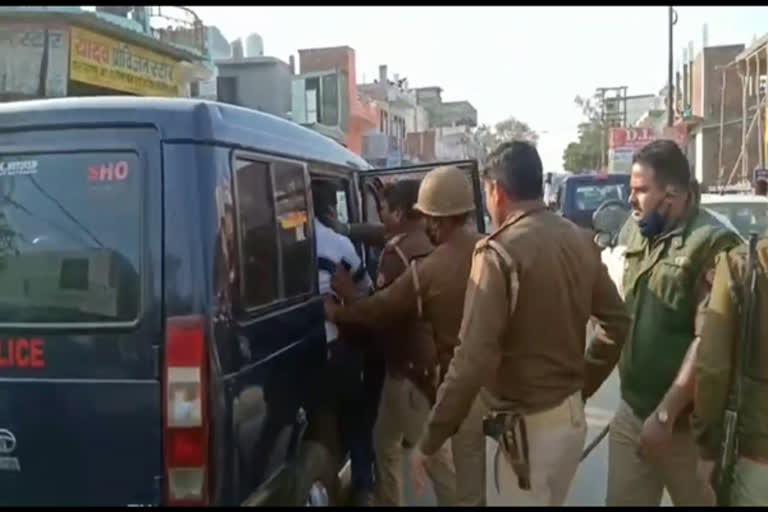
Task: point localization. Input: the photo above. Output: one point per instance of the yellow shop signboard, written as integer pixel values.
(99, 60)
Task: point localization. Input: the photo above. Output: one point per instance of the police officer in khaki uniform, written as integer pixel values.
(407, 346)
(720, 339)
(434, 288)
(534, 284)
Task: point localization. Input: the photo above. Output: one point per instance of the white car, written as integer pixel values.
(745, 213)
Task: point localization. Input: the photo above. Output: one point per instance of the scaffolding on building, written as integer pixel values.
(751, 65)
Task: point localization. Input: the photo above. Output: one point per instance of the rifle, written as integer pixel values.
(729, 448)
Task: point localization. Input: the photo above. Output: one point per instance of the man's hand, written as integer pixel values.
(704, 471)
(418, 471)
(331, 308)
(655, 436)
(343, 284)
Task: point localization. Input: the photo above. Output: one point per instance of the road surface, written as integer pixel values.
(588, 486)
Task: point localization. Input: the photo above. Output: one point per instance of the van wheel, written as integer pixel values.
(316, 481)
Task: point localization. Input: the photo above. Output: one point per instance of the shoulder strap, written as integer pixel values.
(410, 266)
(512, 281)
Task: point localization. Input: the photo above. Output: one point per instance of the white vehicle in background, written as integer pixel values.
(745, 213)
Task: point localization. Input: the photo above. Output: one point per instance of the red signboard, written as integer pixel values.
(629, 137)
(635, 138)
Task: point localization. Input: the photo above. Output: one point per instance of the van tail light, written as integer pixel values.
(186, 411)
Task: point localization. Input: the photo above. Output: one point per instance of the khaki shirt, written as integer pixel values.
(442, 281)
(524, 326)
(720, 338)
(412, 243)
(408, 345)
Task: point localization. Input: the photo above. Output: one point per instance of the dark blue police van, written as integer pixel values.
(579, 195)
(161, 333)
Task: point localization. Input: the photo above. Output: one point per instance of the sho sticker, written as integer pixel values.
(110, 171)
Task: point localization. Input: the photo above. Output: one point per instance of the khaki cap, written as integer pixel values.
(445, 192)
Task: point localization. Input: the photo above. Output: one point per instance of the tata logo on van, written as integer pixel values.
(7, 442)
(111, 171)
(17, 167)
(22, 353)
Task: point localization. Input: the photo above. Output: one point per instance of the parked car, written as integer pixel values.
(162, 336)
(579, 195)
(747, 213)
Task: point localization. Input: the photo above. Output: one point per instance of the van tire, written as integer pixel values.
(316, 483)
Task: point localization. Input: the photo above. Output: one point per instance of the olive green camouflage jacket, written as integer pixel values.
(666, 284)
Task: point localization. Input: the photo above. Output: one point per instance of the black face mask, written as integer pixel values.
(653, 224)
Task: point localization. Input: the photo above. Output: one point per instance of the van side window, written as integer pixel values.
(258, 234)
(293, 217)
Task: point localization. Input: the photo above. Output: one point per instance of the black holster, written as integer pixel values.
(508, 429)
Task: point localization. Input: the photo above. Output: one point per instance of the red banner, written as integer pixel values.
(635, 138)
(629, 137)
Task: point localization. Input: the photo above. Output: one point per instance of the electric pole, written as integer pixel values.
(670, 70)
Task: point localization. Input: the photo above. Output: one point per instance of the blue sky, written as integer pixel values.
(529, 62)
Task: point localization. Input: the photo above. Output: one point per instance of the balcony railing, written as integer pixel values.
(180, 26)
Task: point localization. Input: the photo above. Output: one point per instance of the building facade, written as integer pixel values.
(259, 83)
(706, 92)
(335, 108)
(55, 51)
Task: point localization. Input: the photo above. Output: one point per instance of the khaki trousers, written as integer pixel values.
(555, 443)
(457, 473)
(403, 410)
(750, 484)
(634, 481)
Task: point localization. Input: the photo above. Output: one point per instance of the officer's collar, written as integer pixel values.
(522, 209)
(678, 233)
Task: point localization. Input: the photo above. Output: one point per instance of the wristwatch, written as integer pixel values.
(663, 416)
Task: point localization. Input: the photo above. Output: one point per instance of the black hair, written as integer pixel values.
(517, 167)
(401, 196)
(761, 187)
(669, 164)
(323, 198)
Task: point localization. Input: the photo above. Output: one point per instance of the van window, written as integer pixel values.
(258, 233)
(272, 218)
(292, 215)
(70, 238)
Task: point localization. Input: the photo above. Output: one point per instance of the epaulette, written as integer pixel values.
(507, 263)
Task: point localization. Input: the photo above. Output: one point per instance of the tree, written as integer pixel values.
(507, 130)
(585, 154)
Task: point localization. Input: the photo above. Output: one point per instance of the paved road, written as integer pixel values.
(588, 487)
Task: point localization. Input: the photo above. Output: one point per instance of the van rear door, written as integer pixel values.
(370, 181)
(80, 317)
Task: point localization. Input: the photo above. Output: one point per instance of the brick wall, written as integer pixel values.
(326, 59)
